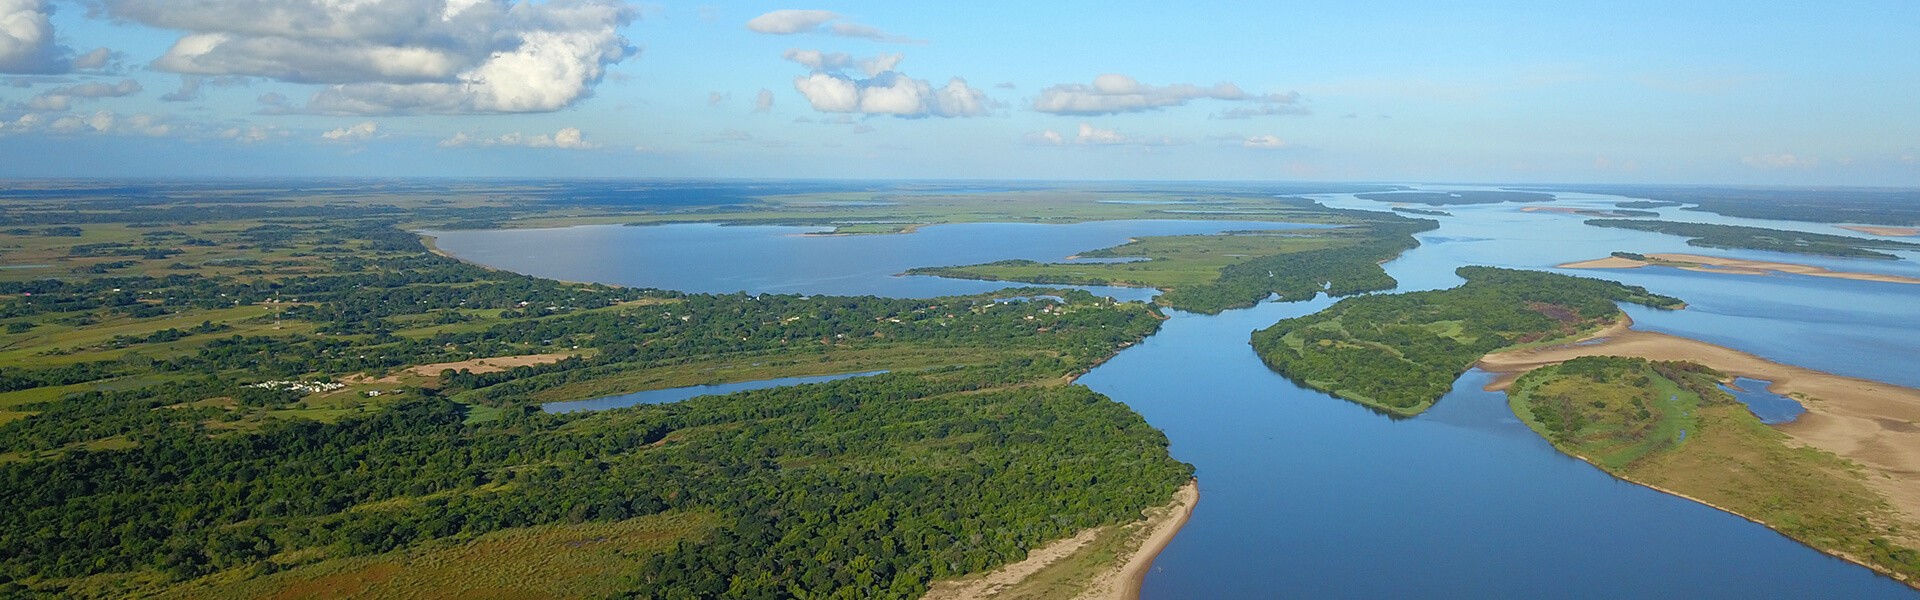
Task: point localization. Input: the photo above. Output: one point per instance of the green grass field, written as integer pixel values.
(1667, 425)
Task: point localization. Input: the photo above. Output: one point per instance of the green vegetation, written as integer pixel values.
(1457, 198)
(1759, 238)
(251, 421)
(1213, 273)
(1399, 353)
(1668, 425)
(1422, 211)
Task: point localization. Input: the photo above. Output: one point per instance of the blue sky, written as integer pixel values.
(1683, 92)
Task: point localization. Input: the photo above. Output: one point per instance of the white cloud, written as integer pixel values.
(884, 91)
(399, 56)
(352, 133)
(62, 98)
(190, 86)
(1089, 135)
(1263, 142)
(763, 101)
(1781, 161)
(717, 98)
(790, 21)
(98, 123)
(1114, 93)
(248, 134)
(26, 39)
(568, 138)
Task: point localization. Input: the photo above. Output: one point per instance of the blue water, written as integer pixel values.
(683, 393)
(778, 259)
(1771, 408)
(1304, 495)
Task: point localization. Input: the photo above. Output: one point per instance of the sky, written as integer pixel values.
(1707, 92)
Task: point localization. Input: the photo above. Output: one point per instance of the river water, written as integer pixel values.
(1304, 495)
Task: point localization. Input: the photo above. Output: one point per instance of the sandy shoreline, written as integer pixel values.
(1882, 230)
(1118, 581)
(1124, 583)
(1871, 423)
(1732, 266)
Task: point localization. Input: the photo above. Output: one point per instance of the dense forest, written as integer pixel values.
(1399, 353)
(168, 430)
(1669, 424)
(1760, 238)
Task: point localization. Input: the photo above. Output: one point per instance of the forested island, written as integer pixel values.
(1209, 274)
(295, 398)
(1759, 238)
(1399, 353)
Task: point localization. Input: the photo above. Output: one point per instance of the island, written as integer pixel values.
(1457, 198)
(1212, 273)
(1648, 407)
(1399, 353)
(1708, 235)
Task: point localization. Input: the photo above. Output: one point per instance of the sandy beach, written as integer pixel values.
(1732, 266)
(1883, 231)
(1116, 581)
(1872, 423)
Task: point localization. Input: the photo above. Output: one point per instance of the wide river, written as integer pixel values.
(1304, 495)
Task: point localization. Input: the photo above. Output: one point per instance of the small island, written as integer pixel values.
(1399, 353)
(1741, 237)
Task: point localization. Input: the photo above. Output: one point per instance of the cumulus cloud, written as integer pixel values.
(399, 56)
(1114, 93)
(884, 91)
(1781, 161)
(352, 133)
(62, 98)
(763, 101)
(1089, 135)
(565, 139)
(717, 98)
(26, 39)
(98, 123)
(790, 21)
(28, 45)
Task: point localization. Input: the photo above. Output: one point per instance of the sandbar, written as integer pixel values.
(1733, 266)
(1883, 231)
(1117, 581)
(488, 365)
(1871, 423)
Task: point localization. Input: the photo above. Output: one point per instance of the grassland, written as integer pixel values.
(1667, 425)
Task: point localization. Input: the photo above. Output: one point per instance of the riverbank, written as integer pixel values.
(1731, 266)
(1103, 563)
(1874, 424)
(1883, 231)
